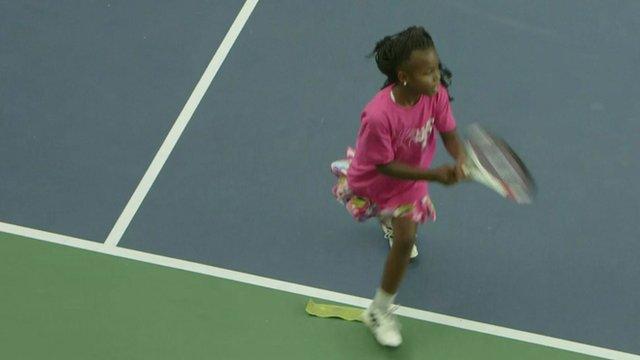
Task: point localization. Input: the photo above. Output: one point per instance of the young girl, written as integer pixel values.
(387, 174)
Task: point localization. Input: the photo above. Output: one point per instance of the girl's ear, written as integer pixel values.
(402, 76)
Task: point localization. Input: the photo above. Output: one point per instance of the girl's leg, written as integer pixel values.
(404, 231)
(378, 317)
(387, 230)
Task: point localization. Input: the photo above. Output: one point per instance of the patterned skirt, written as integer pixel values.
(362, 208)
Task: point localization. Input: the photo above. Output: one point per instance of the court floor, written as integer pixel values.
(165, 186)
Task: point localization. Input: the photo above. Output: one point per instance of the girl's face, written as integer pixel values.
(422, 72)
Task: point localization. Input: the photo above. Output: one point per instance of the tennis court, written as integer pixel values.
(165, 185)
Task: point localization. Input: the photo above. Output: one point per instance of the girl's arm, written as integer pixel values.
(454, 147)
(444, 174)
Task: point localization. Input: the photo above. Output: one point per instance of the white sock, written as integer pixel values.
(383, 300)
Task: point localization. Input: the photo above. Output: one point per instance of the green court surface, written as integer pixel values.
(59, 302)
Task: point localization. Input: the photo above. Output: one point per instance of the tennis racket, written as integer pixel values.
(491, 161)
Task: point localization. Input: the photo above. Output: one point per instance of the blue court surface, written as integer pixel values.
(90, 90)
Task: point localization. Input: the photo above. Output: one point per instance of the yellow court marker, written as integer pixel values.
(326, 311)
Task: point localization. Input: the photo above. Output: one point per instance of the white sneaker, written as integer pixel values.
(388, 234)
(383, 325)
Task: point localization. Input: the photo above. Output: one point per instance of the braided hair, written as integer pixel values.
(392, 51)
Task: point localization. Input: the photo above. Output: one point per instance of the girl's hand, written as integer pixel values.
(446, 174)
(460, 175)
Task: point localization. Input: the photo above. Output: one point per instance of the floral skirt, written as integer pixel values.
(362, 208)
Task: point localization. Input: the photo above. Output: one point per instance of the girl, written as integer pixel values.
(387, 174)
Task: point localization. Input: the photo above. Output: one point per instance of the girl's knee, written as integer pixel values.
(404, 229)
(404, 242)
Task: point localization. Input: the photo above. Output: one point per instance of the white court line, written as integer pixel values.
(314, 292)
(180, 124)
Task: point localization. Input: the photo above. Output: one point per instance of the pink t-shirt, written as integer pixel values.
(391, 132)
